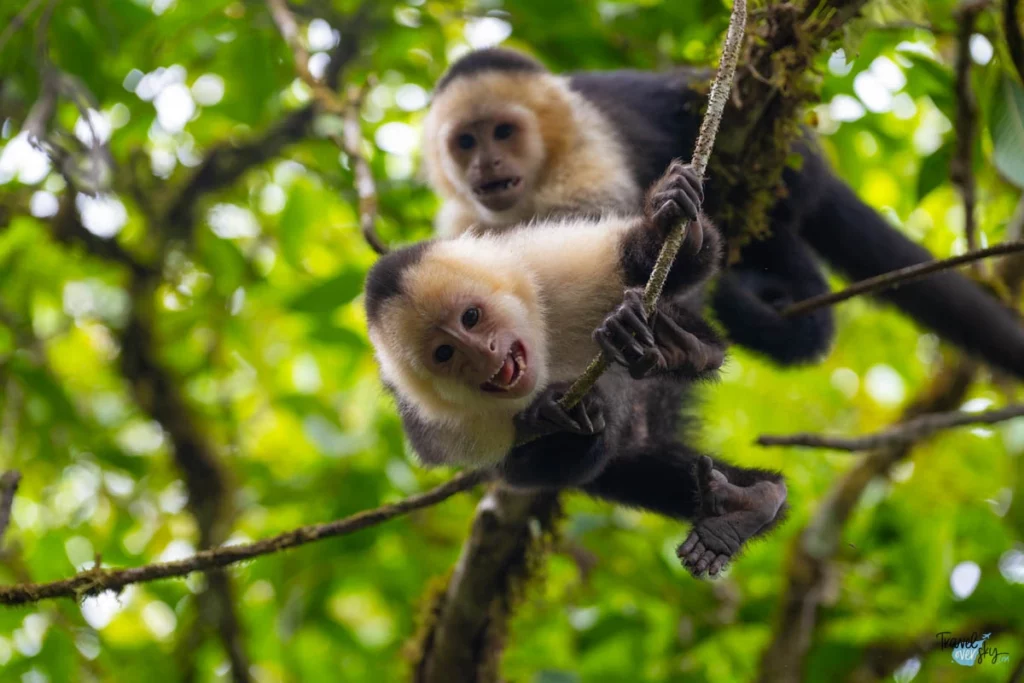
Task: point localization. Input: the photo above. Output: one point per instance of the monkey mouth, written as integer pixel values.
(512, 369)
(495, 187)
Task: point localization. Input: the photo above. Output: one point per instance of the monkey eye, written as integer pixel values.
(470, 317)
(503, 131)
(443, 353)
(465, 141)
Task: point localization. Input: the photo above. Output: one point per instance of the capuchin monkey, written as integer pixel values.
(478, 336)
(507, 141)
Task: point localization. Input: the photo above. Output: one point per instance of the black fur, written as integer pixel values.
(385, 277)
(491, 59)
(658, 117)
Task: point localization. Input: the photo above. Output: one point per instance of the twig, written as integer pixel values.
(961, 167)
(905, 433)
(366, 188)
(1014, 40)
(92, 582)
(894, 278)
(717, 100)
(289, 30)
(348, 108)
(8, 487)
(18, 21)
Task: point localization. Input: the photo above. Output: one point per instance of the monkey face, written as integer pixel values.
(483, 345)
(496, 155)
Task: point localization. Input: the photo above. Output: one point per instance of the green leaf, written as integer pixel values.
(224, 260)
(339, 336)
(934, 170)
(331, 294)
(1007, 125)
(40, 383)
(928, 77)
(298, 215)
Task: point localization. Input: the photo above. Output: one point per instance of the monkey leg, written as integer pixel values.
(731, 514)
(674, 341)
(729, 505)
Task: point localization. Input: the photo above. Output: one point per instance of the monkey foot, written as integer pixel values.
(731, 515)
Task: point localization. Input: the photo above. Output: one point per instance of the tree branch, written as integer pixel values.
(465, 638)
(96, 581)
(227, 163)
(894, 278)
(901, 435)
(8, 487)
(717, 100)
(809, 569)
(961, 168)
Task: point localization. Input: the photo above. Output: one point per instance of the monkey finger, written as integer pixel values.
(635, 322)
(691, 187)
(554, 413)
(582, 418)
(603, 341)
(694, 236)
(666, 216)
(642, 367)
(693, 180)
(623, 338)
(634, 297)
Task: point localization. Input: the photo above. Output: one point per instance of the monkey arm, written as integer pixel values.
(772, 274)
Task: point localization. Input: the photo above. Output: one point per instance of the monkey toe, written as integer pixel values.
(718, 565)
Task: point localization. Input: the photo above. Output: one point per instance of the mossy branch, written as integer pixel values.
(717, 100)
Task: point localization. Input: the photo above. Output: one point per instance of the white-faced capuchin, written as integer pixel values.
(478, 336)
(507, 141)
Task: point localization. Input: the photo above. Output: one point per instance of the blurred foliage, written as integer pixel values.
(259, 317)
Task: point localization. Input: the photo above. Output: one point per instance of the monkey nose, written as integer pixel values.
(493, 345)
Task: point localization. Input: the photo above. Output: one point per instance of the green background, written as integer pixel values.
(258, 318)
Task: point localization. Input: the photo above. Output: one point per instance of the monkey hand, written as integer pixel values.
(730, 516)
(676, 196)
(546, 416)
(654, 346)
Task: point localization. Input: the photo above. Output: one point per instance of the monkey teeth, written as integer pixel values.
(497, 185)
(510, 372)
